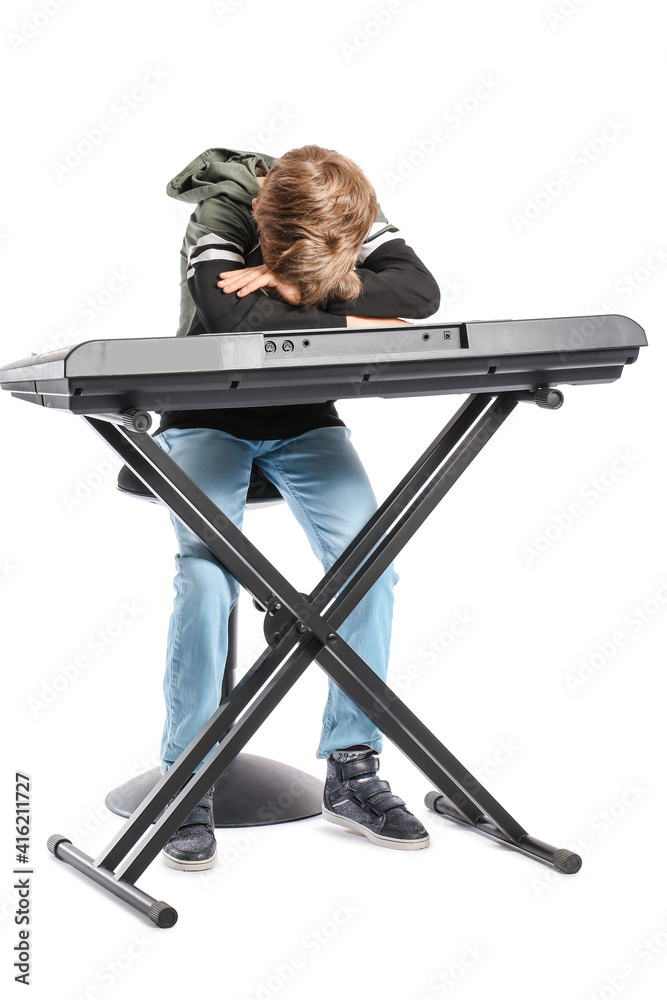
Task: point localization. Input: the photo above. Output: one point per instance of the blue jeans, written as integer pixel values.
(326, 487)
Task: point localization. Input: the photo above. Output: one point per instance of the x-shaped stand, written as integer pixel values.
(306, 629)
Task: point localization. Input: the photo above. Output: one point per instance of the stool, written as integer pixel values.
(253, 791)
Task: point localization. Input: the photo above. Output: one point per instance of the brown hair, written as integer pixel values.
(313, 212)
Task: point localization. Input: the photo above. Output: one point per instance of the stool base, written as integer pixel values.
(252, 791)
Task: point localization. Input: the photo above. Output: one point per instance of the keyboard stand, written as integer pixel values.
(302, 628)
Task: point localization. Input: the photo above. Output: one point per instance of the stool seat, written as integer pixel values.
(261, 491)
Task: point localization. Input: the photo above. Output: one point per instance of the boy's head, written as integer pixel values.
(313, 212)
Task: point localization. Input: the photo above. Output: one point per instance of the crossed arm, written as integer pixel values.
(249, 279)
(230, 296)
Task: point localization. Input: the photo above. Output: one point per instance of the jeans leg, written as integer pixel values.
(327, 488)
(205, 592)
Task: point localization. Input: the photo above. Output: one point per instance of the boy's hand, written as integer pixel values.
(248, 279)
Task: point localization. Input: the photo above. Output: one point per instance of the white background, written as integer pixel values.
(579, 767)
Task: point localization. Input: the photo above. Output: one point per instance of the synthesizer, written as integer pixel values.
(308, 366)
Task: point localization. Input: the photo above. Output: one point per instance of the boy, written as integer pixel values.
(297, 242)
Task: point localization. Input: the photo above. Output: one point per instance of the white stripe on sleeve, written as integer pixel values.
(217, 255)
(375, 242)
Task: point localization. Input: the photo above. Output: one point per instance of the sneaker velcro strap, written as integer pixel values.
(370, 787)
(385, 803)
(362, 765)
(200, 814)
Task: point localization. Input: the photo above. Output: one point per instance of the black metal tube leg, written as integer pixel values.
(560, 858)
(155, 909)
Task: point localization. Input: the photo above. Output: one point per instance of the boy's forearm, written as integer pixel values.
(227, 312)
(395, 282)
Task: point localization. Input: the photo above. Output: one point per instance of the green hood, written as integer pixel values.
(227, 172)
(220, 185)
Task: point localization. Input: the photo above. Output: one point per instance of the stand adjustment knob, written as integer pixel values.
(548, 398)
(136, 420)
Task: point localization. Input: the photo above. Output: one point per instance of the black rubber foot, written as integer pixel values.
(52, 843)
(430, 799)
(567, 862)
(162, 914)
(441, 805)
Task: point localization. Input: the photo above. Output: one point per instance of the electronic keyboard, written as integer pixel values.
(309, 366)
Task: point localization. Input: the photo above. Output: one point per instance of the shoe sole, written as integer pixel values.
(394, 843)
(190, 866)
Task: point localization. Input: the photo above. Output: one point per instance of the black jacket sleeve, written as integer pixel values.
(395, 283)
(226, 312)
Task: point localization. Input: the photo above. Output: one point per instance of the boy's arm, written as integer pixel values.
(222, 312)
(220, 238)
(395, 281)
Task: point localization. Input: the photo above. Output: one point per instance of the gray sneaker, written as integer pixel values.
(193, 847)
(354, 797)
